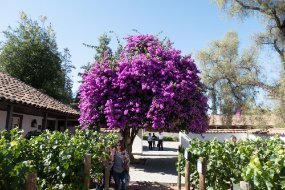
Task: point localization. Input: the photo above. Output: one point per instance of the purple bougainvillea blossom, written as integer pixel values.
(151, 85)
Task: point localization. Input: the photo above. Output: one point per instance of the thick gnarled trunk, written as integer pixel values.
(129, 135)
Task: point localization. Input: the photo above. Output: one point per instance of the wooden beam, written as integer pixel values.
(187, 170)
(9, 117)
(44, 124)
(87, 168)
(202, 169)
(31, 182)
(65, 123)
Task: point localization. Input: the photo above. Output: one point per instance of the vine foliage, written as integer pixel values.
(57, 157)
(261, 161)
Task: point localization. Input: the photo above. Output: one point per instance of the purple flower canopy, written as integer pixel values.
(151, 85)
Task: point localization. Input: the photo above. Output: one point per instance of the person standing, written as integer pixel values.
(153, 140)
(149, 140)
(160, 141)
(121, 164)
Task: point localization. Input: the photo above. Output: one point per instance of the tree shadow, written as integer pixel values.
(139, 161)
(161, 165)
(144, 185)
(145, 149)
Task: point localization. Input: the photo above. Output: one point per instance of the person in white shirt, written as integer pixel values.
(160, 141)
(149, 140)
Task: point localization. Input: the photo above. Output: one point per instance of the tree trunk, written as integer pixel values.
(129, 135)
(283, 41)
(283, 58)
(214, 99)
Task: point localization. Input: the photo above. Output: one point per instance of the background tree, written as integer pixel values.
(280, 101)
(101, 50)
(272, 12)
(151, 85)
(30, 54)
(230, 78)
(67, 68)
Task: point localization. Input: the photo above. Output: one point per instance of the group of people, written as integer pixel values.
(151, 141)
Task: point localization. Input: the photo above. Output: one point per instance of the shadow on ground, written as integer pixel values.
(143, 185)
(140, 161)
(145, 149)
(160, 165)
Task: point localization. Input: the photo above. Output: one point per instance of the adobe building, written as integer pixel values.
(29, 109)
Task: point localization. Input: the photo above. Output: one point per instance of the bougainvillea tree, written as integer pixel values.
(151, 85)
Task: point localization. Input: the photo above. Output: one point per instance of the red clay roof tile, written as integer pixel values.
(16, 91)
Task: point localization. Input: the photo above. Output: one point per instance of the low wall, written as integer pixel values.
(138, 143)
(185, 138)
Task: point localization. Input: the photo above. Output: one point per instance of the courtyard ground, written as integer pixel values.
(158, 171)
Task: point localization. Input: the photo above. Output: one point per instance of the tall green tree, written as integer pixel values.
(271, 12)
(67, 68)
(231, 78)
(30, 53)
(101, 50)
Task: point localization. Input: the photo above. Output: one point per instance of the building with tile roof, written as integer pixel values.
(26, 107)
(243, 121)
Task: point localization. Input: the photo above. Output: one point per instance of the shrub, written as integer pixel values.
(57, 157)
(166, 138)
(260, 161)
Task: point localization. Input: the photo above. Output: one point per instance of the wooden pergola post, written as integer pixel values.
(9, 117)
(201, 167)
(179, 174)
(107, 177)
(44, 125)
(244, 185)
(187, 170)
(87, 168)
(31, 182)
(65, 123)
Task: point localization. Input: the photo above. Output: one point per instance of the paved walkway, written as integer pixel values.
(158, 170)
(169, 149)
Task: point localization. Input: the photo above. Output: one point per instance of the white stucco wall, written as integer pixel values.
(27, 120)
(138, 143)
(185, 138)
(255, 136)
(3, 115)
(26, 123)
(219, 136)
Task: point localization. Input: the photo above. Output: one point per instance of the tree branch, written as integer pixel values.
(277, 19)
(272, 12)
(262, 85)
(249, 7)
(280, 52)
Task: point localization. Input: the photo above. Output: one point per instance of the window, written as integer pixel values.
(17, 121)
(51, 125)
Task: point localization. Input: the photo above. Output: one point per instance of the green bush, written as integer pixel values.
(15, 159)
(260, 161)
(31, 134)
(166, 138)
(57, 157)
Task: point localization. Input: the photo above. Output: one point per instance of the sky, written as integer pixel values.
(190, 24)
